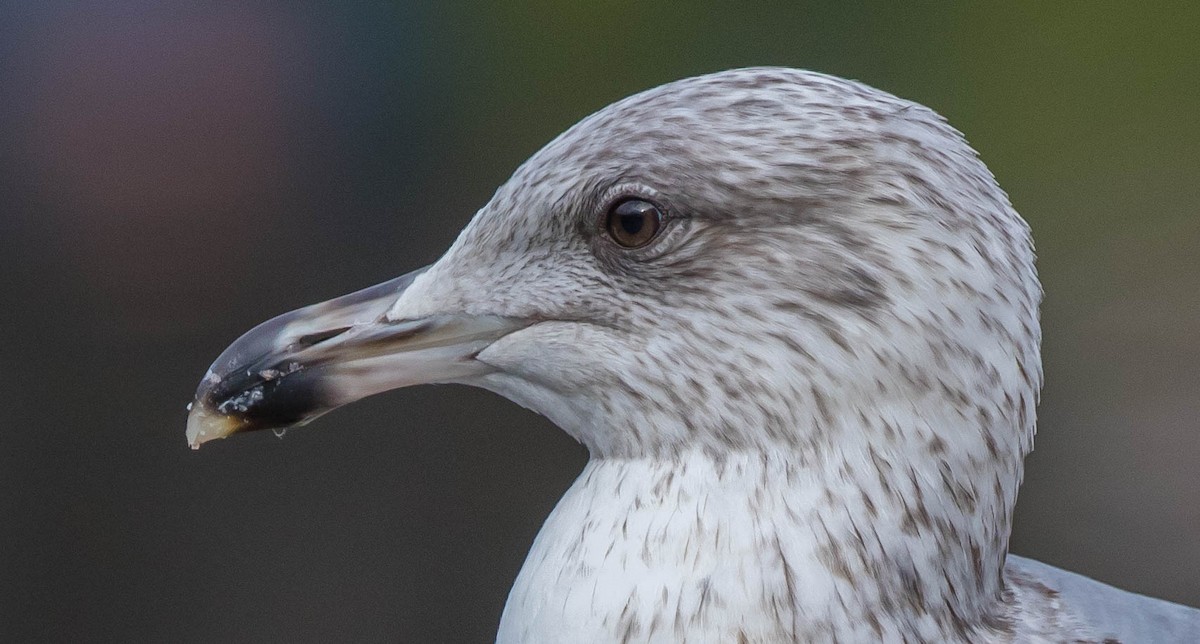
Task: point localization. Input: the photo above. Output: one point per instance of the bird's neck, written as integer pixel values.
(758, 545)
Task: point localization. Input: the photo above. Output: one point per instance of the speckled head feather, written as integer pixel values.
(828, 244)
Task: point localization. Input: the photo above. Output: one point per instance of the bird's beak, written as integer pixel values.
(295, 367)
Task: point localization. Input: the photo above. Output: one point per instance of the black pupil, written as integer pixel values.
(632, 222)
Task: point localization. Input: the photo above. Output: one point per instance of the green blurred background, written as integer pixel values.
(172, 173)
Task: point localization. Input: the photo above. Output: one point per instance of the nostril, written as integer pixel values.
(313, 339)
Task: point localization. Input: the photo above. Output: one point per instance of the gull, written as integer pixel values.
(793, 319)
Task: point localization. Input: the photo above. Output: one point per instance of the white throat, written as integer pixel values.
(746, 546)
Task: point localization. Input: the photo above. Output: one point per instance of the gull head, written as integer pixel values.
(758, 259)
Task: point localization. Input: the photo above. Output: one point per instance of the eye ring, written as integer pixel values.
(633, 222)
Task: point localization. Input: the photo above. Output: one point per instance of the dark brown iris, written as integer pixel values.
(632, 223)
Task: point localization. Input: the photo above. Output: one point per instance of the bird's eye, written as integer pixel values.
(632, 223)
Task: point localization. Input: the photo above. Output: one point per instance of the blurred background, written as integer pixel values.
(172, 173)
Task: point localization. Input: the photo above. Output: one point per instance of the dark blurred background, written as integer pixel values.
(172, 173)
